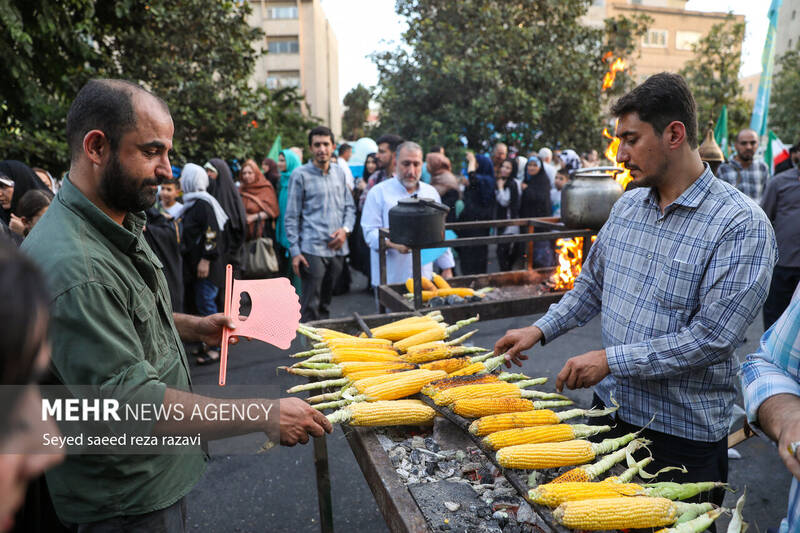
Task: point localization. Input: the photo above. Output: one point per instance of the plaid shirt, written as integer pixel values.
(775, 369)
(677, 291)
(750, 181)
(317, 205)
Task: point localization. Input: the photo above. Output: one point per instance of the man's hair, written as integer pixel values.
(498, 145)
(33, 201)
(545, 153)
(321, 131)
(344, 147)
(564, 171)
(409, 145)
(436, 148)
(105, 105)
(171, 181)
(751, 130)
(661, 99)
(391, 139)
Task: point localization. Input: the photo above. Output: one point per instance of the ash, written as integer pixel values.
(497, 507)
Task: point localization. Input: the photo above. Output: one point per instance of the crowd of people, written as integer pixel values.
(133, 252)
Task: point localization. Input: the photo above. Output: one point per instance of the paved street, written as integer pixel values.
(276, 491)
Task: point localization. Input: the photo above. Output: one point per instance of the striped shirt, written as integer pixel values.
(775, 369)
(677, 291)
(317, 205)
(750, 180)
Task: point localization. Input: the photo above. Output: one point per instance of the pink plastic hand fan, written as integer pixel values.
(274, 315)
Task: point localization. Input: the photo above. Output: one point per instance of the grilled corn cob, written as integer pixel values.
(440, 282)
(493, 390)
(481, 407)
(620, 513)
(451, 342)
(427, 285)
(508, 420)
(448, 365)
(403, 386)
(384, 413)
(590, 472)
(439, 352)
(531, 435)
(553, 455)
(432, 333)
(553, 495)
(401, 329)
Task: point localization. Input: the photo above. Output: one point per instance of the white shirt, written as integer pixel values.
(380, 199)
(348, 174)
(175, 210)
(550, 170)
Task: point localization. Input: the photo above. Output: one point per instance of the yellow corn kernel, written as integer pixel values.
(474, 368)
(440, 282)
(404, 385)
(617, 513)
(448, 365)
(546, 455)
(342, 357)
(482, 390)
(555, 495)
(577, 474)
(481, 407)
(427, 285)
(401, 329)
(464, 292)
(432, 388)
(350, 367)
(531, 435)
(362, 384)
(508, 420)
(364, 374)
(430, 332)
(390, 413)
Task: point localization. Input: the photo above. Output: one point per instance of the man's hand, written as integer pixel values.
(298, 420)
(298, 260)
(338, 239)
(472, 163)
(779, 417)
(202, 268)
(516, 341)
(16, 225)
(583, 371)
(402, 248)
(447, 273)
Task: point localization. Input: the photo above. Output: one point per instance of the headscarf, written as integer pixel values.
(24, 178)
(194, 182)
(536, 196)
(484, 180)
(273, 174)
(226, 193)
(262, 189)
(570, 159)
(292, 162)
(437, 163)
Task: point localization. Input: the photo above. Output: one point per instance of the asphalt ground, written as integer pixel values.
(276, 491)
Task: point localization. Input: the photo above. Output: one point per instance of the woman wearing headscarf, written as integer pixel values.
(24, 179)
(222, 187)
(287, 163)
(203, 218)
(536, 203)
(259, 199)
(359, 251)
(507, 203)
(444, 181)
(269, 167)
(478, 205)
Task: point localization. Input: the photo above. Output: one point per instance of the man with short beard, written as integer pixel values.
(384, 196)
(385, 157)
(742, 171)
(678, 273)
(112, 325)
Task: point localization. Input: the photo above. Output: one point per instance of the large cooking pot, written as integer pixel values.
(587, 199)
(417, 221)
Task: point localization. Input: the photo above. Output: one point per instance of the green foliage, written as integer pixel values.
(784, 111)
(195, 54)
(713, 76)
(356, 102)
(527, 71)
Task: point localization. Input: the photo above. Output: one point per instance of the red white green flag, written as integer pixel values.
(775, 152)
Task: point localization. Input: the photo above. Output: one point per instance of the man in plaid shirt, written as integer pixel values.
(678, 272)
(742, 171)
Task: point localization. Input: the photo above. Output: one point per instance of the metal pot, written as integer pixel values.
(587, 199)
(417, 221)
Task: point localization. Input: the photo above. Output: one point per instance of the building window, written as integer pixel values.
(283, 46)
(655, 38)
(794, 12)
(684, 40)
(282, 12)
(283, 78)
(790, 44)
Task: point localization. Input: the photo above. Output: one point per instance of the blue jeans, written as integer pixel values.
(205, 294)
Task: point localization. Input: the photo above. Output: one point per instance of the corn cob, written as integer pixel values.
(362, 384)
(440, 282)
(319, 385)
(406, 327)
(620, 513)
(481, 407)
(432, 333)
(384, 413)
(306, 332)
(492, 390)
(556, 454)
(427, 284)
(695, 525)
(330, 334)
(402, 386)
(349, 367)
(432, 388)
(508, 420)
(364, 374)
(531, 435)
(451, 342)
(358, 342)
(355, 355)
(630, 472)
(448, 365)
(553, 495)
(440, 352)
(590, 472)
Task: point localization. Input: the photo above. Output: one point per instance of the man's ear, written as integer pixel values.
(674, 135)
(96, 146)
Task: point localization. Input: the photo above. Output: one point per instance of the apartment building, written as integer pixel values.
(787, 34)
(301, 51)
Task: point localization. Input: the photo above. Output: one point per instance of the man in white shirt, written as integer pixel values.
(546, 155)
(381, 198)
(345, 153)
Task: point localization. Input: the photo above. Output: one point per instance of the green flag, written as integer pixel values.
(721, 131)
(276, 149)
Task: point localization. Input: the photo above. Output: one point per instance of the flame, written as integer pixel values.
(570, 262)
(624, 177)
(618, 65)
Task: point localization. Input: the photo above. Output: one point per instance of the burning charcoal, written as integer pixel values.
(486, 475)
(386, 442)
(436, 301)
(460, 456)
(512, 528)
(430, 469)
(473, 509)
(501, 517)
(417, 442)
(452, 506)
(445, 527)
(467, 468)
(403, 474)
(414, 457)
(448, 454)
(474, 298)
(454, 299)
(525, 513)
(431, 445)
(505, 504)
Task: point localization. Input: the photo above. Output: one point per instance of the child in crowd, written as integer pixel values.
(562, 177)
(170, 190)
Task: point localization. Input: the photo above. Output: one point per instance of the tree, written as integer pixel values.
(713, 75)
(356, 102)
(526, 72)
(195, 54)
(784, 110)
